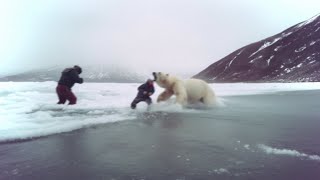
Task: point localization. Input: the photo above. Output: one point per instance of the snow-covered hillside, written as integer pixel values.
(290, 56)
(103, 73)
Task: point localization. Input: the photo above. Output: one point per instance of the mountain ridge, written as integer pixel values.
(289, 56)
(101, 73)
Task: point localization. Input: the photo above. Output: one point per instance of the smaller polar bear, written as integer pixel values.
(189, 91)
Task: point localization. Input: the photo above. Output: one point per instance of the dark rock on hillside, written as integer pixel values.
(290, 56)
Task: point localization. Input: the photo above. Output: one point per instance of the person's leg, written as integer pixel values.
(61, 94)
(71, 97)
(135, 102)
(148, 100)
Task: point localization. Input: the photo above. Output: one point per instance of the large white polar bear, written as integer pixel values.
(189, 91)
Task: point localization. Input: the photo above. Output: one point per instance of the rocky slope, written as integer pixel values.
(290, 56)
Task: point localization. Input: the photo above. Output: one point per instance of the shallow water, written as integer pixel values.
(266, 136)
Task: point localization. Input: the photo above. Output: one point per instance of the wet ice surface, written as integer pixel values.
(28, 110)
(258, 131)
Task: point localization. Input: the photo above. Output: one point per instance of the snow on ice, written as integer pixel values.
(221, 171)
(29, 109)
(288, 152)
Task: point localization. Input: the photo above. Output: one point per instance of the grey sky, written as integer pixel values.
(149, 35)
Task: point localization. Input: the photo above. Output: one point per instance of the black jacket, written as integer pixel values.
(70, 76)
(145, 87)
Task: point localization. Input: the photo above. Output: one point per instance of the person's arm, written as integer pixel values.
(151, 91)
(75, 77)
(142, 87)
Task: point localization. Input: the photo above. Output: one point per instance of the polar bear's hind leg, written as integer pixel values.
(209, 99)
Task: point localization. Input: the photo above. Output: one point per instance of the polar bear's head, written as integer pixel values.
(162, 79)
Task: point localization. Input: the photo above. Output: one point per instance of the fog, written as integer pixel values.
(182, 36)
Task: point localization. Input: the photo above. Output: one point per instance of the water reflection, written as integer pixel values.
(163, 120)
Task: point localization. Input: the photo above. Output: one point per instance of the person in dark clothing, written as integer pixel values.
(144, 93)
(68, 78)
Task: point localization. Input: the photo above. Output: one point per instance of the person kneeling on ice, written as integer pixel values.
(68, 78)
(144, 93)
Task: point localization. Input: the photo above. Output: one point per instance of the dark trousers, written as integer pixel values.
(64, 93)
(138, 99)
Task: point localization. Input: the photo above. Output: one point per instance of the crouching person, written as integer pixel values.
(144, 93)
(68, 78)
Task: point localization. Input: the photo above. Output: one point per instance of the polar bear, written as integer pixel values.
(189, 91)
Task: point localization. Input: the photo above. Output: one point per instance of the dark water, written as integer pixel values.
(218, 144)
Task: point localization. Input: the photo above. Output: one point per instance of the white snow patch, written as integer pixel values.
(253, 60)
(221, 171)
(268, 60)
(308, 21)
(286, 34)
(301, 49)
(287, 70)
(232, 61)
(265, 45)
(312, 61)
(235, 57)
(214, 78)
(277, 48)
(317, 29)
(247, 146)
(233, 89)
(314, 42)
(288, 152)
(299, 65)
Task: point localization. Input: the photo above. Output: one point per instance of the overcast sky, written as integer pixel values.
(149, 35)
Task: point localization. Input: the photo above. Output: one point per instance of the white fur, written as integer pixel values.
(189, 91)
